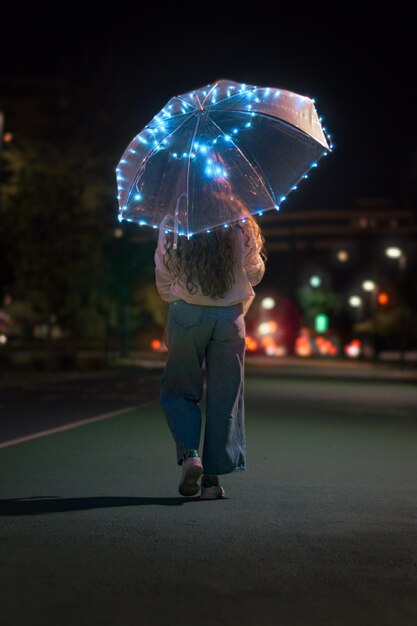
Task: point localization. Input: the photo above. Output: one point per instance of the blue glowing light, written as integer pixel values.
(157, 137)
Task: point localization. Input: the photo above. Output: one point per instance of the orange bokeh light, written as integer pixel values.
(268, 342)
(251, 344)
(383, 298)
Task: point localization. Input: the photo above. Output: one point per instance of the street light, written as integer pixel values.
(394, 252)
(371, 287)
(268, 303)
(355, 301)
(315, 281)
(342, 256)
(368, 285)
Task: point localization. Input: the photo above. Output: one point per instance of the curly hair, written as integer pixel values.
(209, 259)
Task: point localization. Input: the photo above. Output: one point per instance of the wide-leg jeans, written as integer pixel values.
(211, 339)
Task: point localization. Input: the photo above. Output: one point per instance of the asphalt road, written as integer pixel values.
(321, 529)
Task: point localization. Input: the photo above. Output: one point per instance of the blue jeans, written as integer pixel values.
(213, 338)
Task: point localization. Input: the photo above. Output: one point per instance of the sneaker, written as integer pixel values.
(211, 490)
(192, 468)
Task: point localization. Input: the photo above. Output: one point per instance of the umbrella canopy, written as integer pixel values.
(213, 155)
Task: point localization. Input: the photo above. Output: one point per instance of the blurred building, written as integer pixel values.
(343, 246)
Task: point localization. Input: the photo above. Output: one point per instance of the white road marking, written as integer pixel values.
(58, 429)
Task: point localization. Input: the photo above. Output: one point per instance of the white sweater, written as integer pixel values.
(249, 272)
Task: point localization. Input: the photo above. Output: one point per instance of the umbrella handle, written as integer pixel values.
(177, 207)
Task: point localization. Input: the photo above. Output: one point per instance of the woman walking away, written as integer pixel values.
(207, 283)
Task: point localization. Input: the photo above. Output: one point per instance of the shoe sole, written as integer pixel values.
(212, 493)
(189, 485)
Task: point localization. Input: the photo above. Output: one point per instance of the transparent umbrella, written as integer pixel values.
(213, 155)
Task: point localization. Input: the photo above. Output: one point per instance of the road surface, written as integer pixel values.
(321, 529)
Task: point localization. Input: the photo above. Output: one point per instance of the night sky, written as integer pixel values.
(357, 66)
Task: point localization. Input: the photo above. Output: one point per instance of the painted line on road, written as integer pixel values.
(58, 429)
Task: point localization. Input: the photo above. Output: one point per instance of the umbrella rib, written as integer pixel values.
(276, 119)
(210, 92)
(259, 177)
(188, 170)
(187, 103)
(239, 93)
(148, 156)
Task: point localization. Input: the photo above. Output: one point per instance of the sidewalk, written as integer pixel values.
(330, 368)
(297, 366)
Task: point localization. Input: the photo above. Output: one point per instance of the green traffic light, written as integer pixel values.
(321, 323)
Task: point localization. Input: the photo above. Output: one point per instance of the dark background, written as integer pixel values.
(125, 64)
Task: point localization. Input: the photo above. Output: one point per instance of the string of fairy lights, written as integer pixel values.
(157, 136)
